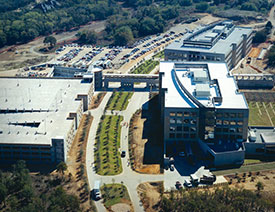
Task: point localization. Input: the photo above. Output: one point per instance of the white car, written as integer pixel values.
(187, 183)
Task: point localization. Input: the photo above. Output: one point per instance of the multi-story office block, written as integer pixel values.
(220, 41)
(39, 117)
(202, 112)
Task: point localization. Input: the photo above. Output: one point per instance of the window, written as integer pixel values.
(219, 122)
(232, 123)
(179, 128)
(171, 135)
(225, 122)
(172, 129)
(240, 123)
(239, 130)
(240, 115)
(179, 114)
(218, 129)
(186, 121)
(179, 121)
(186, 135)
(179, 135)
(172, 114)
(232, 115)
(172, 121)
(193, 129)
(194, 114)
(219, 115)
(225, 129)
(192, 135)
(185, 128)
(193, 121)
(186, 114)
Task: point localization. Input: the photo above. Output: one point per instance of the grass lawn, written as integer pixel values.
(159, 55)
(270, 107)
(146, 67)
(107, 156)
(258, 116)
(114, 193)
(119, 100)
(252, 168)
(251, 161)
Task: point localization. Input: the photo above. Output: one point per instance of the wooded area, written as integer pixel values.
(24, 20)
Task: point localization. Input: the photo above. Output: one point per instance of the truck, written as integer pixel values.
(96, 190)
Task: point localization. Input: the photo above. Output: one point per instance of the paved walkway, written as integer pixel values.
(128, 177)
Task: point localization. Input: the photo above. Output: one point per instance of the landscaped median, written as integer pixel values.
(146, 67)
(107, 156)
(114, 194)
(119, 101)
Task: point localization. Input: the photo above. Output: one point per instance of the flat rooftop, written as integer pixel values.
(264, 135)
(35, 110)
(217, 88)
(221, 36)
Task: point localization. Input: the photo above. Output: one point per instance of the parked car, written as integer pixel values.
(172, 167)
(208, 179)
(181, 154)
(123, 154)
(178, 185)
(187, 183)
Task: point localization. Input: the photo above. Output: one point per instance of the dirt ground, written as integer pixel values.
(145, 142)
(74, 165)
(254, 52)
(150, 195)
(249, 181)
(26, 54)
(121, 207)
(96, 100)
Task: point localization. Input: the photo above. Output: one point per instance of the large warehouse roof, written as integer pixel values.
(35, 110)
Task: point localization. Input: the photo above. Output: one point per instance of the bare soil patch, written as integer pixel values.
(249, 180)
(96, 100)
(77, 164)
(145, 140)
(121, 207)
(149, 194)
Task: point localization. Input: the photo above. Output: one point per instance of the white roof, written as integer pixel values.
(175, 97)
(47, 102)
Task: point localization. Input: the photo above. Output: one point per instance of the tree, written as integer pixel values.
(202, 7)
(61, 167)
(50, 40)
(260, 37)
(271, 57)
(268, 27)
(123, 36)
(3, 193)
(259, 186)
(87, 37)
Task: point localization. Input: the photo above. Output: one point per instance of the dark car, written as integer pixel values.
(208, 179)
(123, 154)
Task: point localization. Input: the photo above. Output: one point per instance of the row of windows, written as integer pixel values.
(185, 114)
(184, 135)
(183, 121)
(227, 122)
(180, 128)
(238, 130)
(26, 148)
(229, 115)
(25, 153)
(226, 137)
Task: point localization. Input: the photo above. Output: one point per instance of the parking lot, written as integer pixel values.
(182, 171)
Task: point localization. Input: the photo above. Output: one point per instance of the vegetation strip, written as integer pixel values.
(114, 193)
(146, 67)
(119, 101)
(107, 156)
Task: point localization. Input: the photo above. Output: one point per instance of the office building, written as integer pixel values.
(203, 113)
(221, 41)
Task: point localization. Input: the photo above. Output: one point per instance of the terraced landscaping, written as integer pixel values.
(261, 113)
(119, 101)
(107, 156)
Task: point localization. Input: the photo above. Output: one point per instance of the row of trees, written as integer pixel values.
(18, 194)
(222, 199)
(145, 17)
